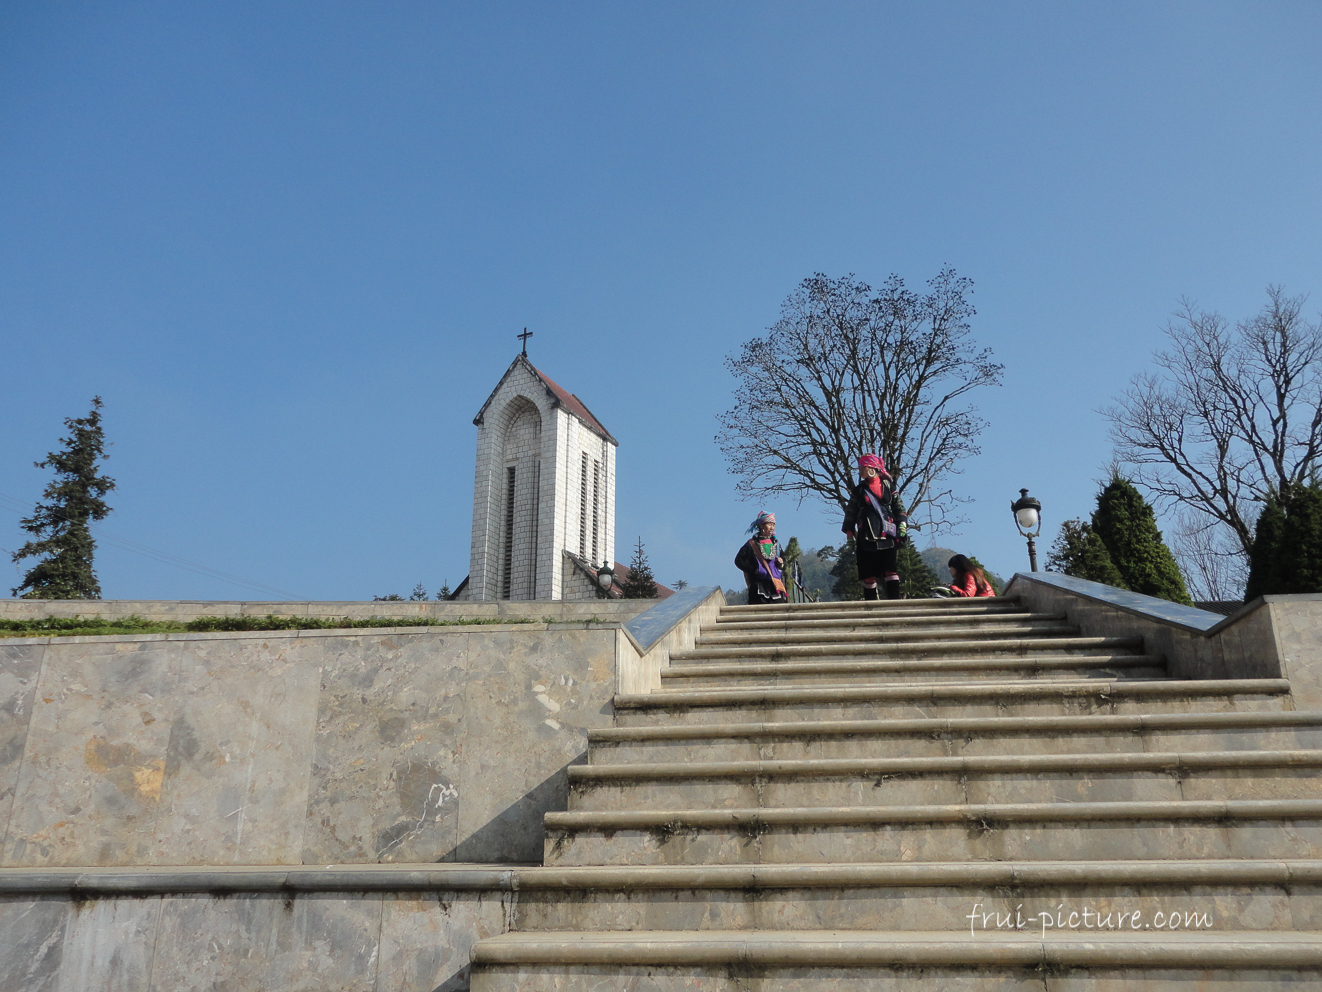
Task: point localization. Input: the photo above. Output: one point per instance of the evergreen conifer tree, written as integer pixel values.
(63, 539)
(1079, 551)
(916, 577)
(1287, 547)
(640, 584)
(1127, 526)
(1265, 555)
(845, 572)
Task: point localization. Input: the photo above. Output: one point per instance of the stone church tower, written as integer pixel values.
(543, 492)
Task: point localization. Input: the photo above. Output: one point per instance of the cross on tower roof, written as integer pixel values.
(524, 338)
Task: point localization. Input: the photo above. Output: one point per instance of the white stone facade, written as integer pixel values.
(544, 484)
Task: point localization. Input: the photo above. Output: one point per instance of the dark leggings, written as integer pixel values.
(878, 563)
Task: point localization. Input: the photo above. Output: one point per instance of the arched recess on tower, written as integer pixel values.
(520, 435)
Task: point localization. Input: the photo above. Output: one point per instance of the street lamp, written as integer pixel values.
(1028, 518)
(605, 579)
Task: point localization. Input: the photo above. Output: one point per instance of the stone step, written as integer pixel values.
(950, 700)
(1274, 828)
(990, 779)
(914, 648)
(923, 737)
(855, 621)
(1236, 894)
(885, 607)
(1073, 666)
(889, 961)
(875, 627)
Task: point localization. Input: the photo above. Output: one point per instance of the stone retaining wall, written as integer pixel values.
(1272, 637)
(295, 747)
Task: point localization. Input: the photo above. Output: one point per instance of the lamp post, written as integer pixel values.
(605, 579)
(1028, 518)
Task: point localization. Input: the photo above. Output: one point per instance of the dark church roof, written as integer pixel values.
(559, 397)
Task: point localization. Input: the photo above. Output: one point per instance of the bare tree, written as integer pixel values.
(1210, 557)
(847, 371)
(1231, 417)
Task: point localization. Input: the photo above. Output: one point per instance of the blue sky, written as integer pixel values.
(290, 244)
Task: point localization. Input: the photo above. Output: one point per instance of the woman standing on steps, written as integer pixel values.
(761, 562)
(876, 520)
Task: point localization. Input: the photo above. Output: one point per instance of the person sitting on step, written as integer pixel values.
(876, 520)
(966, 579)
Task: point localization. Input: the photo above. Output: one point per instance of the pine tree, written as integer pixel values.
(64, 541)
(1127, 526)
(640, 583)
(916, 577)
(1079, 551)
(1287, 546)
(847, 584)
(1265, 555)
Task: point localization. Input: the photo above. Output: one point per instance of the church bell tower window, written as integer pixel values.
(509, 534)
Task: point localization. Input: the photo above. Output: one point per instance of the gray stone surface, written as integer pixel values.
(272, 748)
(650, 626)
(247, 942)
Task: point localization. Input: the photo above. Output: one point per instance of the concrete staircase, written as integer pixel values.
(929, 794)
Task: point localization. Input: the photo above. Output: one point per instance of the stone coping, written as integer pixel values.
(271, 635)
(504, 878)
(657, 621)
(1164, 611)
(617, 608)
(844, 950)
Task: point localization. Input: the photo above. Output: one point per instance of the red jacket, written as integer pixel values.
(969, 587)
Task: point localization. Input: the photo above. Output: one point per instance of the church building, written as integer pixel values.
(543, 493)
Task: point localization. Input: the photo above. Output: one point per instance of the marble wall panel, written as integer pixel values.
(273, 748)
(20, 665)
(33, 943)
(1297, 621)
(528, 704)
(109, 945)
(326, 942)
(237, 761)
(94, 762)
(426, 938)
(193, 751)
(385, 780)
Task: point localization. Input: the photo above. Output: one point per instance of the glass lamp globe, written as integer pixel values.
(1027, 518)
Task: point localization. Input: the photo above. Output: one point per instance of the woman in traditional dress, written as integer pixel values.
(876, 520)
(760, 560)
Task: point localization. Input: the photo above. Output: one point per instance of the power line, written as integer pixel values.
(163, 557)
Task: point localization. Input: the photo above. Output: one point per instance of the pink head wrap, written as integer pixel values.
(871, 461)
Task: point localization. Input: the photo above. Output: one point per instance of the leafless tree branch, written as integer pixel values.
(848, 370)
(1231, 417)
